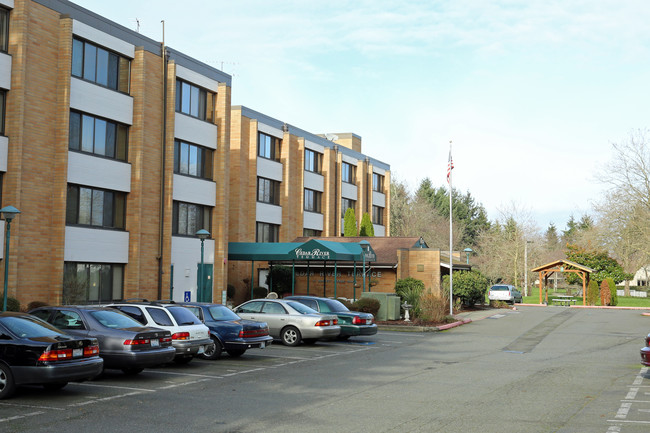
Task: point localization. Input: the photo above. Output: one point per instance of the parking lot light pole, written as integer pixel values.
(8, 213)
(365, 246)
(202, 234)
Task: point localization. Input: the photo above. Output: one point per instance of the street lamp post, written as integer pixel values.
(202, 234)
(8, 213)
(365, 246)
(526, 267)
(468, 251)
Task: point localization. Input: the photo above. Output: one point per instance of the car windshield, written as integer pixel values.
(302, 309)
(29, 327)
(499, 288)
(114, 319)
(219, 312)
(183, 316)
(333, 306)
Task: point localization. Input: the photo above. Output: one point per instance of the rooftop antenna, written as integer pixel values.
(331, 137)
(137, 25)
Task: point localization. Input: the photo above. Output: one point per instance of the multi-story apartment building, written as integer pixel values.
(286, 183)
(117, 149)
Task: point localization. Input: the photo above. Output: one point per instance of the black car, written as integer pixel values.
(123, 342)
(33, 352)
(352, 323)
(228, 331)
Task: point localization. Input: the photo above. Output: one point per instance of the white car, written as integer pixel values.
(190, 337)
(290, 321)
(504, 293)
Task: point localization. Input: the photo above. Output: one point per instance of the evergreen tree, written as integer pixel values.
(350, 223)
(366, 229)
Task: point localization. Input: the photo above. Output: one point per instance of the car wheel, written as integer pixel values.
(132, 371)
(236, 353)
(7, 386)
(290, 336)
(55, 386)
(213, 351)
(183, 361)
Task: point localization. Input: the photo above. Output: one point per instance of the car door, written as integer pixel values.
(276, 316)
(70, 322)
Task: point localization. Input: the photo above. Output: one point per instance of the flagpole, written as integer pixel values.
(450, 167)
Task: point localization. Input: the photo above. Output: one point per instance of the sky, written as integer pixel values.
(531, 94)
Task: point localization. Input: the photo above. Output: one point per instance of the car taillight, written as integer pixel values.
(136, 342)
(326, 322)
(91, 351)
(166, 339)
(181, 336)
(56, 355)
(357, 321)
(254, 333)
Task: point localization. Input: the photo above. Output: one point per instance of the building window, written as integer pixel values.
(100, 66)
(268, 191)
(313, 161)
(95, 207)
(192, 160)
(346, 204)
(268, 146)
(312, 233)
(313, 200)
(194, 101)
(348, 173)
(266, 232)
(98, 136)
(377, 182)
(92, 282)
(378, 215)
(4, 29)
(3, 98)
(188, 218)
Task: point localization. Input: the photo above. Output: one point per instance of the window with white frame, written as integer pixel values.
(92, 282)
(266, 232)
(378, 215)
(346, 204)
(194, 101)
(348, 173)
(188, 218)
(100, 66)
(313, 200)
(377, 182)
(95, 207)
(268, 191)
(4, 29)
(192, 160)
(98, 136)
(268, 146)
(312, 233)
(313, 161)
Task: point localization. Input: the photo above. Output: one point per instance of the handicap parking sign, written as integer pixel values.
(187, 297)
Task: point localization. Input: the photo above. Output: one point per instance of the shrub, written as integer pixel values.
(592, 292)
(612, 290)
(259, 292)
(12, 303)
(36, 304)
(279, 279)
(347, 303)
(469, 286)
(605, 293)
(433, 307)
(367, 305)
(410, 290)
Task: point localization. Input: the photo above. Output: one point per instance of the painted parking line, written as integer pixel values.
(99, 400)
(128, 388)
(31, 406)
(13, 418)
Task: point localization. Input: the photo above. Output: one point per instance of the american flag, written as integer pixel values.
(450, 166)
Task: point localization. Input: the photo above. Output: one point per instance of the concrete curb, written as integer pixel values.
(423, 328)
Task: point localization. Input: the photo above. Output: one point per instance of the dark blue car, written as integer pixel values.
(228, 331)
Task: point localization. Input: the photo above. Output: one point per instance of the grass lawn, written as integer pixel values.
(623, 301)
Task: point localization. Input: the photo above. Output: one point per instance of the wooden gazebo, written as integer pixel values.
(563, 265)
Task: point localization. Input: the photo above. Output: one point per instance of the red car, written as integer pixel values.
(645, 352)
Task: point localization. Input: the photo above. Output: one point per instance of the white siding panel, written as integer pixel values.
(195, 131)
(378, 199)
(96, 245)
(196, 78)
(100, 101)
(349, 159)
(7, 3)
(5, 71)
(269, 169)
(98, 172)
(186, 256)
(348, 191)
(105, 40)
(4, 149)
(379, 171)
(379, 230)
(314, 146)
(268, 213)
(312, 220)
(270, 130)
(314, 181)
(198, 191)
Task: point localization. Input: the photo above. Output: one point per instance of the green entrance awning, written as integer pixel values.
(312, 250)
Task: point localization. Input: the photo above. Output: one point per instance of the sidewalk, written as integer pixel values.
(463, 318)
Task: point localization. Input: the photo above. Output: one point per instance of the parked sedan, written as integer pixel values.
(33, 352)
(290, 321)
(351, 322)
(504, 293)
(228, 331)
(124, 343)
(190, 337)
(645, 352)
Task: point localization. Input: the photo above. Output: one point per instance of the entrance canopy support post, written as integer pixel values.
(354, 283)
(293, 277)
(335, 279)
(308, 277)
(252, 277)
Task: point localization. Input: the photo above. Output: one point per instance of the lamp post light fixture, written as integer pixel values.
(468, 251)
(8, 213)
(202, 234)
(365, 247)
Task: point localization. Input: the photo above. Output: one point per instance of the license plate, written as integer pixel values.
(77, 353)
(201, 349)
(262, 345)
(155, 342)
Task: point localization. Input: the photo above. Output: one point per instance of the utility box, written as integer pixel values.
(393, 307)
(389, 305)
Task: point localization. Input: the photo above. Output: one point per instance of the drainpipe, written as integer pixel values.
(161, 232)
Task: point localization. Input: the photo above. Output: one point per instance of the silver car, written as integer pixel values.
(290, 321)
